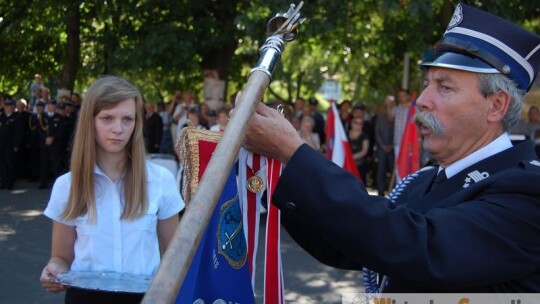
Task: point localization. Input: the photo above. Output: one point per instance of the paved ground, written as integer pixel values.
(25, 248)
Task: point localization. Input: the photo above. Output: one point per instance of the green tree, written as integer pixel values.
(162, 45)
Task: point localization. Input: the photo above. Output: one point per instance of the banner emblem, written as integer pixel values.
(230, 234)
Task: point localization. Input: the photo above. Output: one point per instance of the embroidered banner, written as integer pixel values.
(219, 272)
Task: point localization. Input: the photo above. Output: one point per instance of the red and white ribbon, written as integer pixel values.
(250, 164)
(273, 274)
(269, 171)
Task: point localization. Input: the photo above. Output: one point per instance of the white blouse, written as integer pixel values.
(112, 244)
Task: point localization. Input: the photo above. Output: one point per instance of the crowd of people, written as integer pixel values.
(374, 134)
(37, 135)
(184, 109)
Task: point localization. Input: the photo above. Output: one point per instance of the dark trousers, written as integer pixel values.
(8, 167)
(57, 159)
(362, 169)
(23, 165)
(33, 158)
(385, 165)
(44, 165)
(84, 296)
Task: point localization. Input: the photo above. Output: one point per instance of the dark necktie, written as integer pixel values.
(439, 179)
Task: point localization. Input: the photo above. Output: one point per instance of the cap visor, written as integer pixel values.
(458, 61)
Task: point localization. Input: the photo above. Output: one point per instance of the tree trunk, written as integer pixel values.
(447, 10)
(72, 54)
(215, 64)
(216, 59)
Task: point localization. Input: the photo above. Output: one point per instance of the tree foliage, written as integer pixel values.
(163, 45)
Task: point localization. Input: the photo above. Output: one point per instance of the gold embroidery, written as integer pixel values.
(32, 127)
(44, 128)
(187, 150)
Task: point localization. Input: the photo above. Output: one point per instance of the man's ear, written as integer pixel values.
(500, 102)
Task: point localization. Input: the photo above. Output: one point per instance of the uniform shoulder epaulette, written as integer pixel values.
(533, 165)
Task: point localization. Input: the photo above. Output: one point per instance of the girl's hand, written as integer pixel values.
(49, 276)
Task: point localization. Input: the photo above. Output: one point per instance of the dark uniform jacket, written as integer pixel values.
(56, 128)
(153, 131)
(11, 139)
(70, 121)
(39, 126)
(24, 124)
(11, 131)
(479, 231)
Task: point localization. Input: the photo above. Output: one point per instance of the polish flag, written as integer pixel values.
(337, 144)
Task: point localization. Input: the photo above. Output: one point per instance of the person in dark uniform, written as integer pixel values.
(11, 139)
(470, 224)
(55, 139)
(70, 121)
(152, 128)
(38, 133)
(23, 165)
(50, 145)
(44, 146)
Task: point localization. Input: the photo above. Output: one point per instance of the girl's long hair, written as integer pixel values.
(106, 93)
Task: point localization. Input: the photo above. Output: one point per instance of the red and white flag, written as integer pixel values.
(338, 149)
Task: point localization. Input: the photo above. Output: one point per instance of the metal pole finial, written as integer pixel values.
(283, 28)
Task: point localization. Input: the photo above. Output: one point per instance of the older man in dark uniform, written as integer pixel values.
(471, 224)
(23, 165)
(41, 123)
(11, 140)
(55, 138)
(51, 149)
(38, 132)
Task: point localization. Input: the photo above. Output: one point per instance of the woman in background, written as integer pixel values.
(307, 125)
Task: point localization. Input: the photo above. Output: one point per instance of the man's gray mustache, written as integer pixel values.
(427, 120)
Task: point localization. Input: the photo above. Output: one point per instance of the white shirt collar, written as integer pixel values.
(500, 144)
(149, 177)
(98, 170)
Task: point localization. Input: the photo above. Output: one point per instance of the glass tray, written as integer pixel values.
(106, 281)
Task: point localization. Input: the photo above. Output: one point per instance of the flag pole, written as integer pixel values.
(177, 259)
